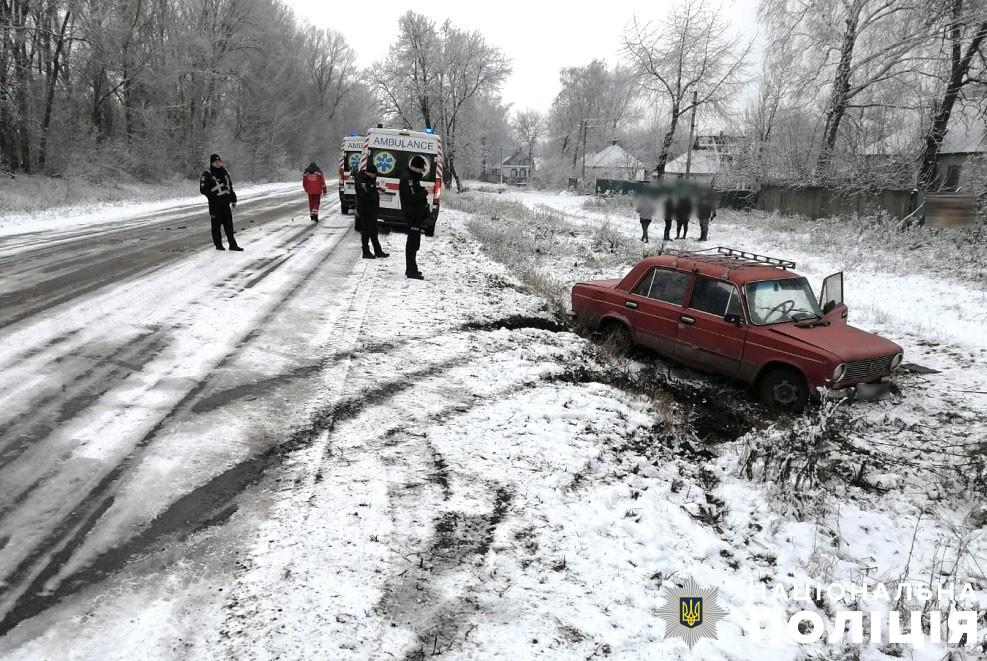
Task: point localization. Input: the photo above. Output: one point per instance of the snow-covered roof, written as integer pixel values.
(967, 132)
(704, 161)
(613, 156)
(517, 159)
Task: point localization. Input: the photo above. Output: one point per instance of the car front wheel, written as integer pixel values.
(784, 389)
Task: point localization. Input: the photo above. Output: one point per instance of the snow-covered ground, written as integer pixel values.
(298, 454)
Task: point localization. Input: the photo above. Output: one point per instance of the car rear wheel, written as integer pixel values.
(344, 209)
(616, 337)
(784, 389)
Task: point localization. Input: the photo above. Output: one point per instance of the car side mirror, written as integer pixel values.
(733, 318)
(829, 307)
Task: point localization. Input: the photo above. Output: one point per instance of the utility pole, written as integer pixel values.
(582, 177)
(500, 167)
(692, 134)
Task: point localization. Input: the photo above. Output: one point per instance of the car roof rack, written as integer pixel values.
(754, 257)
(731, 258)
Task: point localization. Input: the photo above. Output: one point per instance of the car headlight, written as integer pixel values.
(839, 372)
(897, 360)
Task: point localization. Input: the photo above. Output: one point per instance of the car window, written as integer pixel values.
(715, 297)
(778, 301)
(669, 286)
(644, 286)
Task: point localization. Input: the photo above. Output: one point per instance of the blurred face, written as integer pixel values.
(218, 163)
(372, 175)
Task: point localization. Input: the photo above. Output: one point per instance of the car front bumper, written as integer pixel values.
(870, 391)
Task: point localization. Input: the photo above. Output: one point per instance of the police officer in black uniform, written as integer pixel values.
(217, 185)
(367, 209)
(414, 204)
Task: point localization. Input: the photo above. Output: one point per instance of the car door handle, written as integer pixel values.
(630, 304)
(688, 321)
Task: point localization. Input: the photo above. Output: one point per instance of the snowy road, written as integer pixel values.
(125, 350)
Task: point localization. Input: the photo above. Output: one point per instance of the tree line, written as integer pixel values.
(847, 92)
(148, 88)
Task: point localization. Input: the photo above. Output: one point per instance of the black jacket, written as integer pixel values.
(367, 196)
(669, 208)
(414, 199)
(683, 210)
(217, 186)
(706, 206)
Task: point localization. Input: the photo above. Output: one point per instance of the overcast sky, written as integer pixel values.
(539, 37)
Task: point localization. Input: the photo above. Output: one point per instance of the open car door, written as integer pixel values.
(831, 297)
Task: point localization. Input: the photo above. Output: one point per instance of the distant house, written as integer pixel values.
(960, 164)
(614, 162)
(516, 168)
(711, 162)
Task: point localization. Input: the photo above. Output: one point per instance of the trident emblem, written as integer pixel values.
(691, 614)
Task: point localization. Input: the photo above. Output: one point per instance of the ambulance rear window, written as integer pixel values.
(393, 163)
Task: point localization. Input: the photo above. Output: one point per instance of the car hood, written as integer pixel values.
(842, 340)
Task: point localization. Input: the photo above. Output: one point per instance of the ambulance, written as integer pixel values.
(390, 150)
(349, 162)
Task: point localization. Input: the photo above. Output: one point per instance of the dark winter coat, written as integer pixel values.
(683, 210)
(669, 208)
(367, 196)
(706, 207)
(414, 199)
(217, 185)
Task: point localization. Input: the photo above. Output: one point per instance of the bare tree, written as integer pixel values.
(405, 82)
(691, 55)
(528, 127)
(966, 30)
(591, 106)
(433, 75)
(332, 66)
(850, 47)
(469, 66)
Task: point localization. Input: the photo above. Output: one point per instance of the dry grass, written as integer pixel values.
(523, 240)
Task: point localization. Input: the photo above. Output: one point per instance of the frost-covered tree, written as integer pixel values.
(688, 60)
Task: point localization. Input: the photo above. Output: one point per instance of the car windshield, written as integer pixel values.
(778, 301)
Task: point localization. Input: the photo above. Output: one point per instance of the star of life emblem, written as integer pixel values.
(690, 612)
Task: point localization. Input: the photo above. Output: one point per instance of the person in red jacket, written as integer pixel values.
(314, 184)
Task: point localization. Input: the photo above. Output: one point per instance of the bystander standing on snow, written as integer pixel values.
(683, 210)
(646, 211)
(367, 209)
(217, 185)
(669, 215)
(705, 211)
(414, 202)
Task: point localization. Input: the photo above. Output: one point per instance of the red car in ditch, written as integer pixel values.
(745, 316)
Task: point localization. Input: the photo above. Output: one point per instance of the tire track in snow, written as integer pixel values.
(27, 584)
(111, 265)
